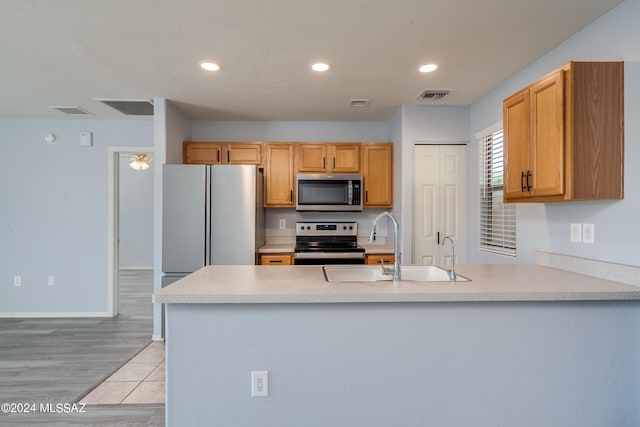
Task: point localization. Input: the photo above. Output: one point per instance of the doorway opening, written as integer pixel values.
(130, 233)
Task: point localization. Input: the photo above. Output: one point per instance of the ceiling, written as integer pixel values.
(69, 52)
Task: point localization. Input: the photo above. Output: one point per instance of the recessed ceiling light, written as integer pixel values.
(320, 67)
(210, 66)
(427, 68)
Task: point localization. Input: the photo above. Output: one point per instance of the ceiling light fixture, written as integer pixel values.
(320, 67)
(140, 162)
(210, 66)
(428, 68)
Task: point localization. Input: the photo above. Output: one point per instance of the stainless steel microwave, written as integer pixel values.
(329, 192)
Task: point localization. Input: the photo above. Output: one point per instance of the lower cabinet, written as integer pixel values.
(276, 259)
(379, 258)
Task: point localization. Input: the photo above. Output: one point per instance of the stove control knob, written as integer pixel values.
(344, 227)
(308, 227)
(351, 227)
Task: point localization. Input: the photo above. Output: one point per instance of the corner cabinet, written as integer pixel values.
(564, 135)
(279, 176)
(377, 175)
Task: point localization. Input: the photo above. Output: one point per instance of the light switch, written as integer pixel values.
(86, 139)
(588, 233)
(576, 233)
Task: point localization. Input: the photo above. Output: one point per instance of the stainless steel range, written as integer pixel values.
(327, 243)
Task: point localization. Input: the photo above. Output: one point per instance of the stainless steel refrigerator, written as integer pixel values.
(212, 215)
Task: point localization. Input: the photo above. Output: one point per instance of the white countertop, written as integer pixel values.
(306, 284)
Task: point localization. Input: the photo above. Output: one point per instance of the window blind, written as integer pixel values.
(497, 220)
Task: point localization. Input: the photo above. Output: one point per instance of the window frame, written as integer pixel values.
(497, 230)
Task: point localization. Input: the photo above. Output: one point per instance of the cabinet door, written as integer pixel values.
(546, 144)
(276, 259)
(377, 174)
(345, 158)
(378, 259)
(279, 176)
(243, 154)
(312, 158)
(515, 121)
(203, 153)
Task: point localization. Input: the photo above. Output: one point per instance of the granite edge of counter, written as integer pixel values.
(401, 298)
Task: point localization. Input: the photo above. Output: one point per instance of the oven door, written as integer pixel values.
(322, 258)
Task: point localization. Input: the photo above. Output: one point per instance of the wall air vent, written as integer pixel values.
(72, 111)
(130, 107)
(433, 94)
(359, 103)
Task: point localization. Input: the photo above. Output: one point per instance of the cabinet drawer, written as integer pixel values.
(379, 258)
(276, 259)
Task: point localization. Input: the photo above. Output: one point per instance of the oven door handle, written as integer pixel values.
(329, 255)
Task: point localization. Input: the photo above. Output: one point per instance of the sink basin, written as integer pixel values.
(373, 273)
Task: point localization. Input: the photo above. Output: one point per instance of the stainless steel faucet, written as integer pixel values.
(396, 253)
(452, 273)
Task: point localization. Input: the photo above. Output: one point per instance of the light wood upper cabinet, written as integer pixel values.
(326, 158)
(377, 175)
(279, 175)
(202, 153)
(213, 153)
(564, 135)
(243, 153)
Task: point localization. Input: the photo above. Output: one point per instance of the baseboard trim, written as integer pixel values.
(56, 314)
(155, 337)
(136, 268)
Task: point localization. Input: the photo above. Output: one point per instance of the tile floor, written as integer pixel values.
(140, 380)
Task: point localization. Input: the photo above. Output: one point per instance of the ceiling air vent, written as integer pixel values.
(359, 102)
(433, 94)
(130, 107)
(72, 111)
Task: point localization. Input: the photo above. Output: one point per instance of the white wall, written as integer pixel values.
(424, 125)
(546, 226)
(418, 364)
(170, 128)
(53, 216)
(136, 216)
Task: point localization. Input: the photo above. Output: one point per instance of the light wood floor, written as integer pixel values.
(60, 360)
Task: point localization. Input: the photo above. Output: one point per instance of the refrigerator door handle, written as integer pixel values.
(207, 227)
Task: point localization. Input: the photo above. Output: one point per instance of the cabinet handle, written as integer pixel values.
(366, 196)
(324, 163)
(291, 195)
(528, 176)
(522, 187)
(218, 156)
(438, 237)
(334, 163)
(227, 156)
(275, 261)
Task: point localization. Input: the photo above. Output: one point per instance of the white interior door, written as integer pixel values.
(440, 193)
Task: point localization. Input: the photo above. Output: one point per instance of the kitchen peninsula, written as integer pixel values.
(517, 345)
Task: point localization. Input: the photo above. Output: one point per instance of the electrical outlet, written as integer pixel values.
(576, 233)
(259, 383)
(588, 233)
(50, 280)
(17, 280)
(283, 224)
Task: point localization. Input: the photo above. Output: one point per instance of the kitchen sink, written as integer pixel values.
(373, 273)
